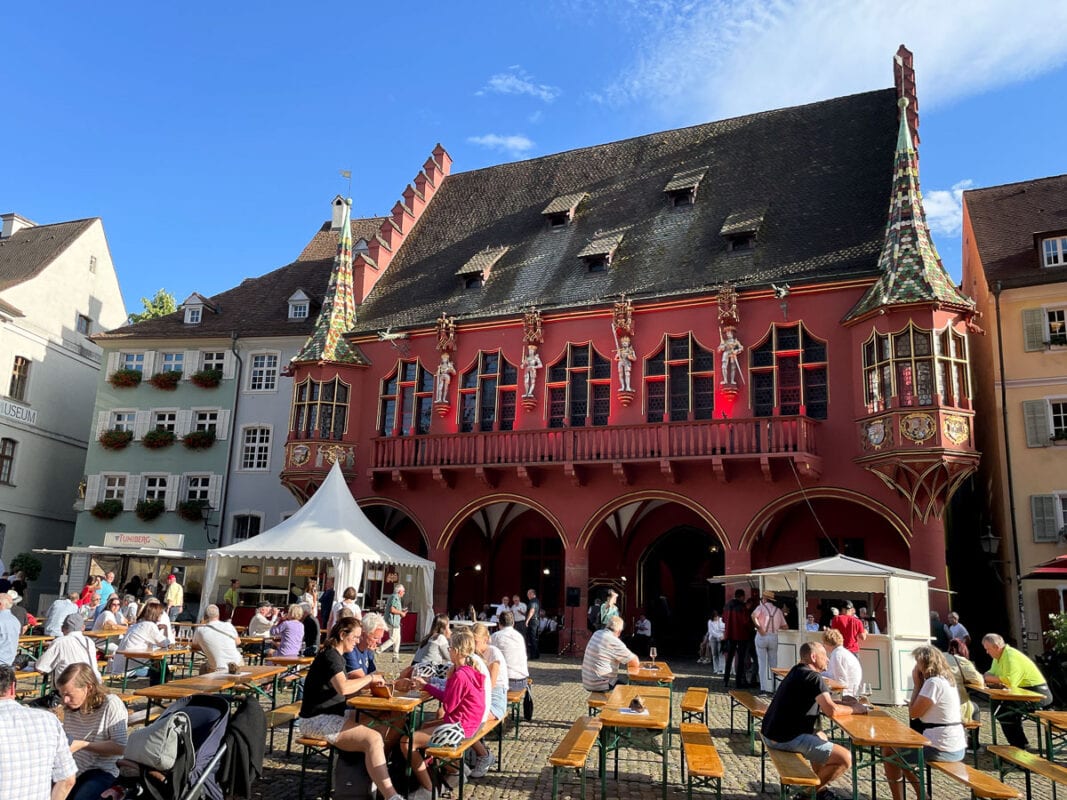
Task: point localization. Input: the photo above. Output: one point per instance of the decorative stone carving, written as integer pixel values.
(446, 344)
(729, 345)
(622, 331)
(532, 336)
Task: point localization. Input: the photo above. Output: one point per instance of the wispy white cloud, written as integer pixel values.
(515, 144)
(714, 60)
(944, 208)
(518, 81)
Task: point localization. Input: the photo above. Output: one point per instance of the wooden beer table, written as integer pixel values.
(384, 711)
(618, 721)
(33, 645)
(998, 697)
(869, 733)
(146, 657)
(656, 673)
(780, 672)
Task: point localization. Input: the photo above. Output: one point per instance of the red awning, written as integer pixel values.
(1056, 569)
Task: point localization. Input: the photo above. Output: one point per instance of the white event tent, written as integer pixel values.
(331, 526)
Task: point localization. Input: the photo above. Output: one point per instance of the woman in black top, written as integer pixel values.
(323, 710)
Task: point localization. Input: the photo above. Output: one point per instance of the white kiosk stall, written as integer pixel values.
(899, 599)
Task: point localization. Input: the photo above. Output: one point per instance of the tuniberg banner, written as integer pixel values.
(165, 541)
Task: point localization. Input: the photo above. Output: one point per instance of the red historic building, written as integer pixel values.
(650, 362)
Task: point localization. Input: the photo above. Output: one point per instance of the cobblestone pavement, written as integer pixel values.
(559, 699)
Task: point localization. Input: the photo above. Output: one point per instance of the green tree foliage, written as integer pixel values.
(160, 305)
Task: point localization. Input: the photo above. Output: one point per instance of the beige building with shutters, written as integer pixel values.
(58, 288)
(1015, 266)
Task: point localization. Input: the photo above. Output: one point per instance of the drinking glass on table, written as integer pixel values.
(652, 655)
(865, 694)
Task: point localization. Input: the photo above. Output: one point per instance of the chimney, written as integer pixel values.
(904, 80)
(338, 212)
(11, 223)
(382, 248)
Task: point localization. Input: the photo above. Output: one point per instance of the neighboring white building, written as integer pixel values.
(57, 287)
(250, 333)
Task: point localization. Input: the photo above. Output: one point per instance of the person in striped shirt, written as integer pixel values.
(604, 654)
(95, 724)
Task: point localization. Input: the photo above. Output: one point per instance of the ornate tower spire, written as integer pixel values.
(911, 269)
(327, 343)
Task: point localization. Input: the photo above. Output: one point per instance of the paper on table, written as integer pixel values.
(635, 713)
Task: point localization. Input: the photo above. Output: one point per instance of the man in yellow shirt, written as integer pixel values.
(1013, 670)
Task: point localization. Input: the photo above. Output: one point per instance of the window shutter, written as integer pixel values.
(102, 420)
(1035, 415)
(112, 362)
(222, 427)
(92, 491)
(184, 422)
(171, 495)
(214, 490)
(1034, 323)
(228, 365)
(133, 491)
(142, 421)
(1043, 513)
(149, 363)
(191, 364)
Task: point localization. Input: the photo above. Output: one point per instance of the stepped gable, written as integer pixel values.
(25, 254)
(259, 306)
(911, 270)
(821, 172)
(1006, 220)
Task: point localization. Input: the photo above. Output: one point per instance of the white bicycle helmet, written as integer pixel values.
(447, 735)
(424, 670)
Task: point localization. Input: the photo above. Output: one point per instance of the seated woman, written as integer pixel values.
(95, 724)
(498, 697)
(965, 672)
(323, 711)
(462, 704)
(290, 632)
(935, 703)
(111, 620)
(433, 649)
(145, 634)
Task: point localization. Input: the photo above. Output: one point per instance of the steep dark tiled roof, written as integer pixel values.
(1004, 220)
(258, 306)
(821, 171)
(30, 250)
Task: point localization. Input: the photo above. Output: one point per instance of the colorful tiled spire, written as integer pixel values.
(338, 312)
(911, 268)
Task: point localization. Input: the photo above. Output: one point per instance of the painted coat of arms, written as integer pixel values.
(956, 428)
(917, 427)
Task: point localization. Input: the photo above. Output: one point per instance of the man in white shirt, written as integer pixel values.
(262, 621)
(218, 641)
(513, 647)
(70, 648)
(58, 612)
(955, 630)
(842, 665)
(604, 654)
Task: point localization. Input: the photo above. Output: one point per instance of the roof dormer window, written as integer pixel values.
(598, 254)
(299, 305)
(1054, 251)
(681, 189)
(476, 271)
(741, 229)
(561, 210)
(194, 306)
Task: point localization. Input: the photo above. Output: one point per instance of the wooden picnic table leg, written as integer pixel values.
(603, 762)
(664, 750)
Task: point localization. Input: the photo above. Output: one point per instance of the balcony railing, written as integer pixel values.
(734, 438)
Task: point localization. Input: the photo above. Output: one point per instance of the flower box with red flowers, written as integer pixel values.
(199, 440)
(125, 378)
(115, 440)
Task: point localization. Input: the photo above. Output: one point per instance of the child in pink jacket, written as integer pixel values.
(462, 702)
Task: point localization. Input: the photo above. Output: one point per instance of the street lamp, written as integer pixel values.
(989, 541)
(205, 515)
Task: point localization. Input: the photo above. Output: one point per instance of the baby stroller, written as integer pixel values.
(199, 724)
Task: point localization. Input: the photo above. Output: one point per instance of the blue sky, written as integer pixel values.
(209, 136)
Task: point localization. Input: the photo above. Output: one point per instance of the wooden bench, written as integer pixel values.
(283, 715)
(596, 701)
(1028, 763)
(981, 784)
(793, 770)
(755, 708)
(971, 729)
(573, 751)
(515, 705)
(695, 705)
(700, 760)
(319, 747)
(444, 757)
